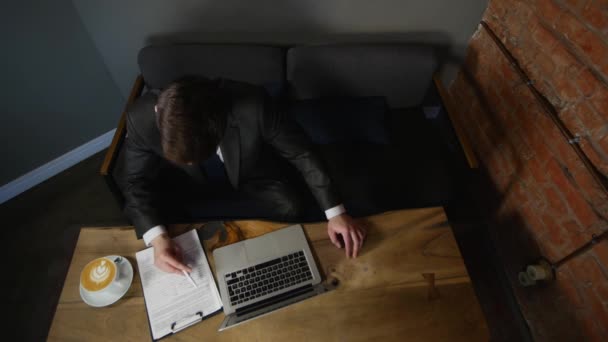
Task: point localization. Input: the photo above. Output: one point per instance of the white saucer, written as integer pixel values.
(104, 299)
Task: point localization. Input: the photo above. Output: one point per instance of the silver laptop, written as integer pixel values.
(260, 275)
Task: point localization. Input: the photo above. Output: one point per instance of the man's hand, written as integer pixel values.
(168, 255)
(351, 232)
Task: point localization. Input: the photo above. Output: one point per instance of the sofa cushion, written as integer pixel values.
(342, 120)
(400, 72)
(256, 64)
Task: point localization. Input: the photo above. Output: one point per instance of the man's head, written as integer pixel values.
(191, 119)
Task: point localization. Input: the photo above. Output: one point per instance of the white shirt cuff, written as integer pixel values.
(335, 211)
(152, 233)
(219, 154)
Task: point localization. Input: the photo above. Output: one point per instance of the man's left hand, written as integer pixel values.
(352, 233)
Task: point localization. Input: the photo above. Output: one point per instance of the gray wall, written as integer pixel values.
(55, 91)
(120, 28)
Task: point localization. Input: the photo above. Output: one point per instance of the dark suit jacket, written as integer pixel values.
(257, 131)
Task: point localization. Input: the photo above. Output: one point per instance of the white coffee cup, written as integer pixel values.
(102, 276)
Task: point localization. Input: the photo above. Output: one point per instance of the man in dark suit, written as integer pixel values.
(196, 122)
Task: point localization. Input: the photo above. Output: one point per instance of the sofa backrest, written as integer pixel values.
(400, 72)
(256, 64)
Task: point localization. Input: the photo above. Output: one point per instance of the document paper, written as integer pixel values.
(171, 297)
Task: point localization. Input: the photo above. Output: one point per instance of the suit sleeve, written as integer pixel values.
(141, 170)
(292, 143)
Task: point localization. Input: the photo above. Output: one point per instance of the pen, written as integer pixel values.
(189, 278)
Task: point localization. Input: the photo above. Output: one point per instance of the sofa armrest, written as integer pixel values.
(121, 130)
(460, 133)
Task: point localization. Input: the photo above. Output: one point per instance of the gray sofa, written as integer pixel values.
(418, 167)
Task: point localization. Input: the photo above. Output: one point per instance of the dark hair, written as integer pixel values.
(191, 118)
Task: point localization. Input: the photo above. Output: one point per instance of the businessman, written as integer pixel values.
(196, 122)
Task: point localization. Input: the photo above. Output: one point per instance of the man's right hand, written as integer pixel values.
(168, 255)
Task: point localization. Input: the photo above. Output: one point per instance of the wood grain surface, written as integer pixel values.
(409, 283)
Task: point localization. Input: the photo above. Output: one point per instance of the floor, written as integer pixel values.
(41, 227)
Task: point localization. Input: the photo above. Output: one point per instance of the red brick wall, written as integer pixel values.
(549, 204)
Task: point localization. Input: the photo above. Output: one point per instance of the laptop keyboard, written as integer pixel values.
(268, 277)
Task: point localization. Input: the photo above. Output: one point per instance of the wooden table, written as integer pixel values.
(409, 283)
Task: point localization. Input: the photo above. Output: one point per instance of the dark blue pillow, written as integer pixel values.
(343, 120)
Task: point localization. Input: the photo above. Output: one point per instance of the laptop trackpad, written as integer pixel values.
(262, 249)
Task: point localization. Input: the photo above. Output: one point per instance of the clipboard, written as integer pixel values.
(182, 324)
(188, 320)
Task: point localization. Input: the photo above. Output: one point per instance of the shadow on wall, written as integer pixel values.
(286, 23)
(543, 304)
(120, 29)
(511, 230)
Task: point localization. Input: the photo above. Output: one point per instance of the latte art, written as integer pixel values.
(98, 274)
